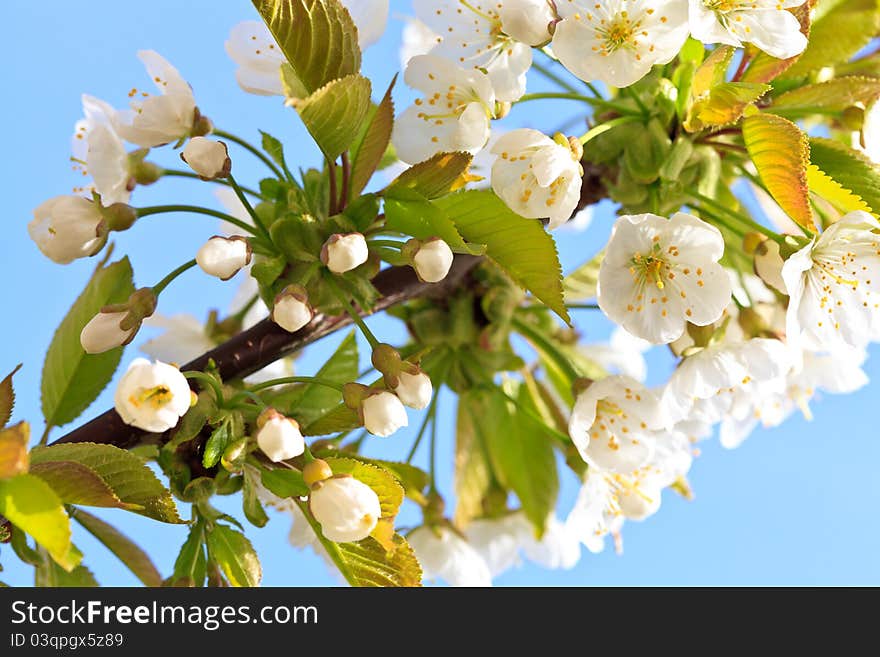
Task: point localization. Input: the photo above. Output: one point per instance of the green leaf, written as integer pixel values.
(422, 219)
(306, 403)
(14, 450)
(781, 154)
(849, 168)
(519, 450)
(765, 68)
(382, 482)
(284, 483)
(337, 420)
(414, 480)
(521, 247)
(274, 148)
(29, 504)
(191, 565)
(368, 152)
(217, 442)
(836, 36)
(712, 71)
(130, 479)
(580, 285)
(318, 38)
(724, 105)
(473, 472)
(75, 483)
(335, 113)
(235, 555)
(7, 397)
(843, 199)
(251, 506)
(73, 379)
(441, 174)
(829, 97)
(49, 574)
(135, 559)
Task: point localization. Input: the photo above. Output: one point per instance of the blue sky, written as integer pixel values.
(795, 505)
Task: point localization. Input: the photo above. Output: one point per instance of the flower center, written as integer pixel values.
(156, 397)
(650, 268)
(727, 5)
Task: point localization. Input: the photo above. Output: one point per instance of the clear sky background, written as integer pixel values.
(794, 505)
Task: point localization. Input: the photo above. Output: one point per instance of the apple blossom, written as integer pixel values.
(224, 257)
(659, 274)
(527, 21)
(383, 413)
(443, 554)
(168, 117)
(452, 115)
(99, 152)
(471, 35)
(764, 23)
(208, 158)
(342, 253)
(279, 437)
(537, 176)
(152, 396)
(834, 286)
(618, 41)
(346, 508)
(65, 228)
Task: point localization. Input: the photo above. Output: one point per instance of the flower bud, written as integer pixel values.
(224, 257)
(208, 158)
(292, 310)
(342, 253)
(769, 263)
(103, 332)
(279, 437)
(383, 413)
(65, 228)
(431, 259)
(414, 390)
(528, 21)
(346, 508)
(152, 396)
(317, 470)
(143, 172)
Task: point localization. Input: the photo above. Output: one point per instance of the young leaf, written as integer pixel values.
(473, 473)
(73, 379)
(438, 176)
(274, 148)
(379, 479)
(284, 483)
(781, 154)
(306, 403)
(335, 113)
(251, 506)
(75, 483)
(829, 97)
(843, 199)
(127, 476)
(216, 445)
(337, 420)
(14, 450)
(47, 573)
(7, 397)
(422, 219)
(849, 168)
(712, 71)
(367, 154)
(724, 105)
(298, 25)
(120, 545)
(580, 285)
(191, 565)
(235, 556)
(521, 247)
(29, 504)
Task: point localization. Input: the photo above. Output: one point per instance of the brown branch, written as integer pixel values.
(266, 342)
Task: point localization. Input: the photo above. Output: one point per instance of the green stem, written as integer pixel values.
(355, 316)
(175, 173)
(45, 437)
(346, 181)
(253, 149)
(544, 345)
(595, 131)
(250, 209)
(165, 282)
(632, 93)
(334, 201)
(296, 379)
(747, 221)
(433, 462)
(390, 244)
(598, 102)
(715, 218)
(421, 434)
(195, 209)
(211, 381)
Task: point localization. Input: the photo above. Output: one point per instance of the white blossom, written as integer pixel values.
(453, 114)
(414, 390)
(417, 39)
(370, 17)
(280, 438)
(497, 540)
(164, 118)
(527, 21)
(613, 424)
(471, 35)
(659, 274)
(346, 508)
(764, 23)
(66, 228)
(292, 310)
(432, 260)
(834, 287)
(536, 176)
(184, 338)
(558, 548)
(98, 151)
(596, 512)
(618, 41)
(342, 253)
(152, 396)
(383, 413)
(259, 59)
(622, 354)
(445, 555)
(224, 257)
(207, 157)
(103, 332)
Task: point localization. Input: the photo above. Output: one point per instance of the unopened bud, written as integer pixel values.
(317, 470)
(224, 257)
(346, 508)
(118, 216)
(202, 125)
(342, 253)
(116, 325)
(431, 259)
(383, 413)
(291, 310)
(208, 158)
(414, 390)
(279, 437)
(502, 109)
